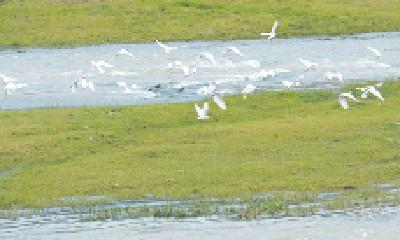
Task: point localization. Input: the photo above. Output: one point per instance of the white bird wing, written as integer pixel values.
(376, 93)
(275, 26)
(161, 45)
(219, 101)
(205, 108)
(343, 102)
(377, 53)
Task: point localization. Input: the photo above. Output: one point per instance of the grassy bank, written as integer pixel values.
(82, 22)
(273, 141)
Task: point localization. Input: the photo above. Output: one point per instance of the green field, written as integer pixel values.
(58, 23)
(272, 141)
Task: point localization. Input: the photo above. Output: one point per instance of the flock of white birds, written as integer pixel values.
(11, 85)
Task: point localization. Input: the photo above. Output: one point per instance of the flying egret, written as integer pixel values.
(271, 34)
(202, 112)
(206, 90)
(375, 51)
(10, 86)
(166, 48)
(6, 79)
(233, 50)
(100, 64)
(248, 89)
(124, 51)
(343, 99)
(371, 89)
(308, 64)
(331, 76)
(127, 89)
(219, 101)
(209, 56)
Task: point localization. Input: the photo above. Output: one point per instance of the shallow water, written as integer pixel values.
(50, 73)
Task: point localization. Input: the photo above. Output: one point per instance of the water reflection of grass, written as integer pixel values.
(66, 23)
(273, 141)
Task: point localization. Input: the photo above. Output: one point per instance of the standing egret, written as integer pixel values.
(166, 48)
(202, 112)
(271, 34)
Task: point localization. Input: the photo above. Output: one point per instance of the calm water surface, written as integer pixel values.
(49, 73)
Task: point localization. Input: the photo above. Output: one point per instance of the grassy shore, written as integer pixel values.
(273, 141)
(83, 22)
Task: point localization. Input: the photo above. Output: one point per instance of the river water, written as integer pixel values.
(50, 73)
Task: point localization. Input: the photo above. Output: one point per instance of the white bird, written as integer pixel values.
(289, 84)
(166, 48)
(331, 76)
(83, 83)
(209, 56)
(12, 87)
(375, 51)
(308, 64)
(343, 99)
(219, 101)
(202, 112)
(6, 79)
(100, 64)
(206, 90)
(127, 89)
(233, 50)
(124, 51)
(264, 74)
(371, 89)
(271, 34)
(248, 89)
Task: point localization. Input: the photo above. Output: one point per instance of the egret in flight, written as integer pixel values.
(233, 50)
(219, 101)
(371, 89)
(343, 99)
(375, 51)
(308, 64)
(271, 34)
(100, 64)
(209, 56)
(202, 112)
(124, 51)
(166, 48)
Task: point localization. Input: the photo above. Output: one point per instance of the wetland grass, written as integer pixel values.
(87, 22)
(272, 142)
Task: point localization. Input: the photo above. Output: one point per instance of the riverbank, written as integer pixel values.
(272, 141)
(75, 23)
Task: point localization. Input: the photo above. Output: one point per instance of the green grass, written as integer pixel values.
(273, 141)
(82, 22)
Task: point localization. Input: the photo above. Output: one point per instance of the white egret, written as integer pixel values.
(202, 112)
(209, 56)
(248, 89)
(6, 79)
(271, 34)
(206, 90)
(219, 101)
(343, 99)
(100, 64)
(308, 64)
(124, 51)
(12, 87)
(235, 50)
(331, 76)
(289, 84)
(371, 89)
(127, 89)
(166, 48)
(375, 51)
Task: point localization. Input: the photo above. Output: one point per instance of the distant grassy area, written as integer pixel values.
(82, 22)
(302, 141)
